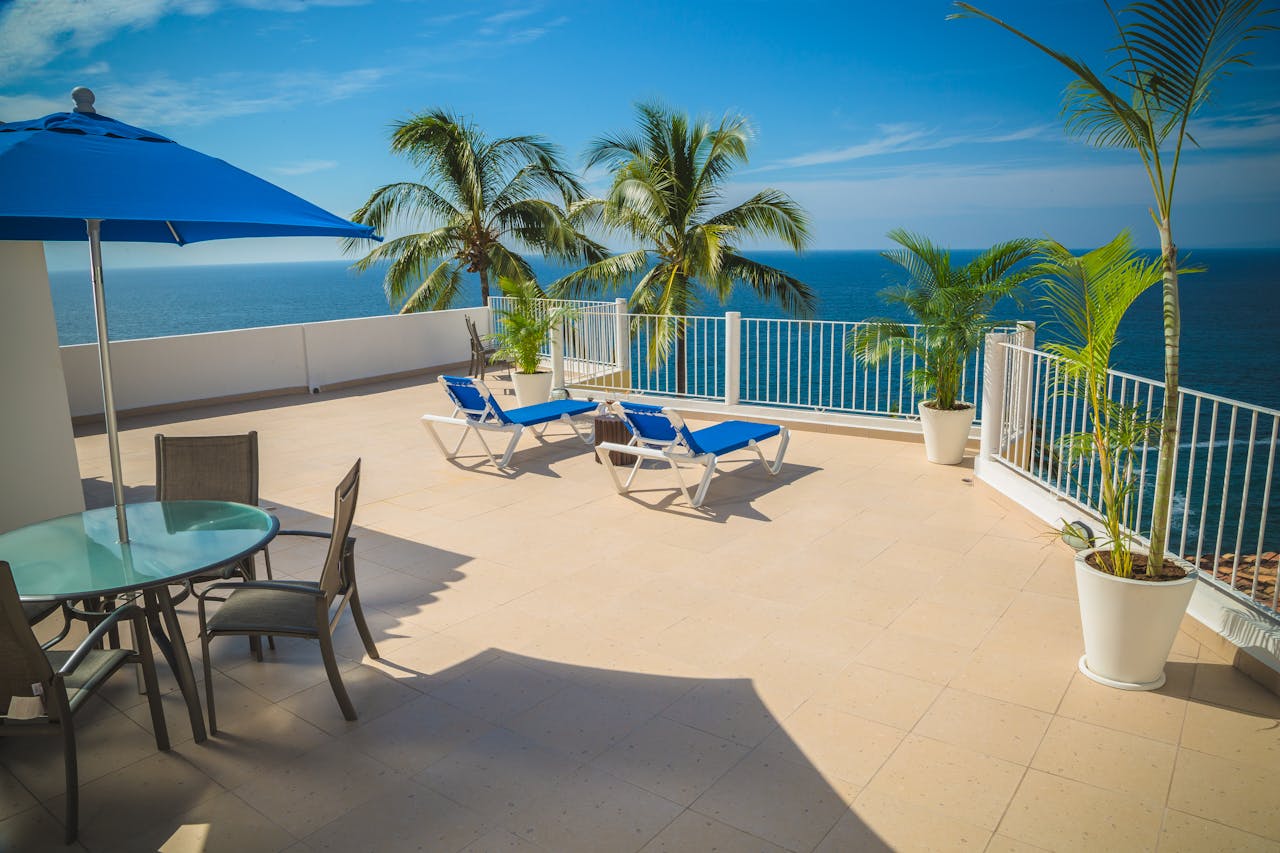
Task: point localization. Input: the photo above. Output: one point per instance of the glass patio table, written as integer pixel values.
(78, 556)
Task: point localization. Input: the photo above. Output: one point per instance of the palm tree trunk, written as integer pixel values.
(484, 286)
(1169, 419)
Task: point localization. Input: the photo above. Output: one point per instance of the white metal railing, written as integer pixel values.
(1224, 519)
(802, 364)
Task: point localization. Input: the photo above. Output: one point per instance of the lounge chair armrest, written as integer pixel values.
(317, 534)
(129, 611)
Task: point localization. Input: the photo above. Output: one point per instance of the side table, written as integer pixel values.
(611, 428)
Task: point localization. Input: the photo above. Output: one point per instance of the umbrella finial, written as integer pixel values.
(84, 99)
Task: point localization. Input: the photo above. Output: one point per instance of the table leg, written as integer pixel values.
(174, 648)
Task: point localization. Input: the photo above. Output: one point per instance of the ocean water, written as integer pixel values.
(1230, 312)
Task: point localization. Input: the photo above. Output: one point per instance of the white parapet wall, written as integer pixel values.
(156, 372)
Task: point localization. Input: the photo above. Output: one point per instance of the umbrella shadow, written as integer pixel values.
(98, 493)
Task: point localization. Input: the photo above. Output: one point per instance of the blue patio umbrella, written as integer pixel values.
(83, 176)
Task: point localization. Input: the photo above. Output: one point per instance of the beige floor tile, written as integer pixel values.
(497, 775)
(1184, 833)
(949, 623)
(498, 689)
(1239, 795)
(416, 735)
(579, 722)
(590, 810)
(222, 824)
(782, 802)
(1221, 684)
(838, 744)
(1063, 815)
(877, 694)
(1106, 758)
(957, 782)
(876, 822)
(372, 693)
(1004, 844)
(990, 726)
(1231, 734)
(126, 802)
(1014, 676)
(14, 798)
(927, 659)
(1154, 714)
(726, 707)
(34, 829)
(693, 831)
(412, 818)
(670, 759)
(500, 841)
(319, 786)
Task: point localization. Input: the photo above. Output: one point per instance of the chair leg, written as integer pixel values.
(208, 681)
(335, 677)
(70, 768)
(357, 613)
(701, 494)
(266, 560)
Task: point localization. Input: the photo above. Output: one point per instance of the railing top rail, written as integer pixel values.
(1155, 383)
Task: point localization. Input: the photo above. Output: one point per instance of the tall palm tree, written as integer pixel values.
(668, 182)
(1170, 54)
(953, 303)
(481, 199)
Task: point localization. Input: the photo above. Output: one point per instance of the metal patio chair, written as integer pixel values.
(41, 690)
(295, 608)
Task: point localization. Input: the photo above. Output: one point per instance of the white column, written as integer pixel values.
(622, 340)
(994, 365)
(38, 463)
(732, 357)
(558, 391)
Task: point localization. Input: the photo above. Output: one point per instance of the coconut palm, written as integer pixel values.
(481, 199)
(668, 185)
(1170, 55)
(953, 303)
(1087, 296)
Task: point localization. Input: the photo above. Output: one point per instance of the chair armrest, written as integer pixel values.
(129, 611)
(313, 533)
(278, 586)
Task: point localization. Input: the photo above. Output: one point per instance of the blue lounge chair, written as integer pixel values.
(660, 433)
(473, 400)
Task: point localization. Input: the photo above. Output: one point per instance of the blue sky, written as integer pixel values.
(872, 115)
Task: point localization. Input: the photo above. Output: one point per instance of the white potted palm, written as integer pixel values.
(954, 305)
(1130, 606)
(522, 328)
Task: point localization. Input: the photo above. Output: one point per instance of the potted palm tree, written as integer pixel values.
(954, 305)
(1130, 606)
(522, 328)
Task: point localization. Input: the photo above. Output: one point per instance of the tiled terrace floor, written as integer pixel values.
(867, 652)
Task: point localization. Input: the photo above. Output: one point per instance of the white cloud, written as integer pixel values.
(305, 167)
(900, 138)
(97, 68)
(35, 32)
(22, 107)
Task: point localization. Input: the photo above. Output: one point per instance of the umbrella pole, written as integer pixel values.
(94, 227)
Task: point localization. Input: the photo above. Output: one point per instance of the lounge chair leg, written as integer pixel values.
(635, 469)
(435, 437)
(705, 484)
(603, 456)
(511, 447)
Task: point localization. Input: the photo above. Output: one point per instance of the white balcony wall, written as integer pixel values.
(153, 372)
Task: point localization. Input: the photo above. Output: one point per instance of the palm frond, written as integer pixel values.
(438, 289)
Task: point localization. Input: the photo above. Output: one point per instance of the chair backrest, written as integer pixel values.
(332, 579)
(207, 468)
(22, 661)
(474, 399)
(657, 426)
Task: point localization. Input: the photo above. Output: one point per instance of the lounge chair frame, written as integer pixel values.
(490, 417)
(675, 452)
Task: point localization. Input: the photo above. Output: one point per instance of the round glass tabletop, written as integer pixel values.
(78, 556)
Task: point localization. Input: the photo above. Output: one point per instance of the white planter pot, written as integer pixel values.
(1129, 625)
(946, 432)
(531, 388)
